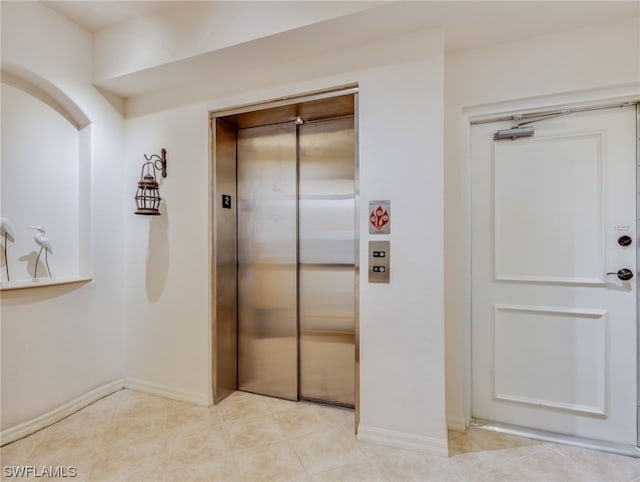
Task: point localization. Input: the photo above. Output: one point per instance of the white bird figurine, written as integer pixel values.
(6, 230)
(42, 241)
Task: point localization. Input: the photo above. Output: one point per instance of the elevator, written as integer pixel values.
(284, 252)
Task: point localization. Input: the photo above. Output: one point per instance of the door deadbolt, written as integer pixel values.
(623, 273)
(625, 240)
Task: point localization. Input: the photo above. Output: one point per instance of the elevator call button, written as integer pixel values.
(379, 261)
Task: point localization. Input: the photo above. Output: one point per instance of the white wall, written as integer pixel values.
(579, 64)
(168, 257)
(60, 342)
(401, 153)
(401, 324)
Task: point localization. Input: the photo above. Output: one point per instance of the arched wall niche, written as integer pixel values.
(45, 180)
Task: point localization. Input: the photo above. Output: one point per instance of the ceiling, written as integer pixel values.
(466, 25)
(96, 15)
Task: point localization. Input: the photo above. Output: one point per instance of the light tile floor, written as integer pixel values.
(133, 436)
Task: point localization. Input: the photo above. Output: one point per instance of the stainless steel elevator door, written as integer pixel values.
(267, 260)
(326, 283)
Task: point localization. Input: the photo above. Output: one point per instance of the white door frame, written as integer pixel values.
(581, 99)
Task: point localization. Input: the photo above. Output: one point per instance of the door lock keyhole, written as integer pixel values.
(625, 240)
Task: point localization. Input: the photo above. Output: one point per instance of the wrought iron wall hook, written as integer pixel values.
(162, 159)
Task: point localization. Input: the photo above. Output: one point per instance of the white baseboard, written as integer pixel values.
(23, 429)
(168, 392)
(403, 440)
(30, 426)
(457, 424)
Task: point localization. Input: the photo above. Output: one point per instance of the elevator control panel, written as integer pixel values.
(379, 261)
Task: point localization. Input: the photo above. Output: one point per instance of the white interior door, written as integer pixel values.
(553, 336)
